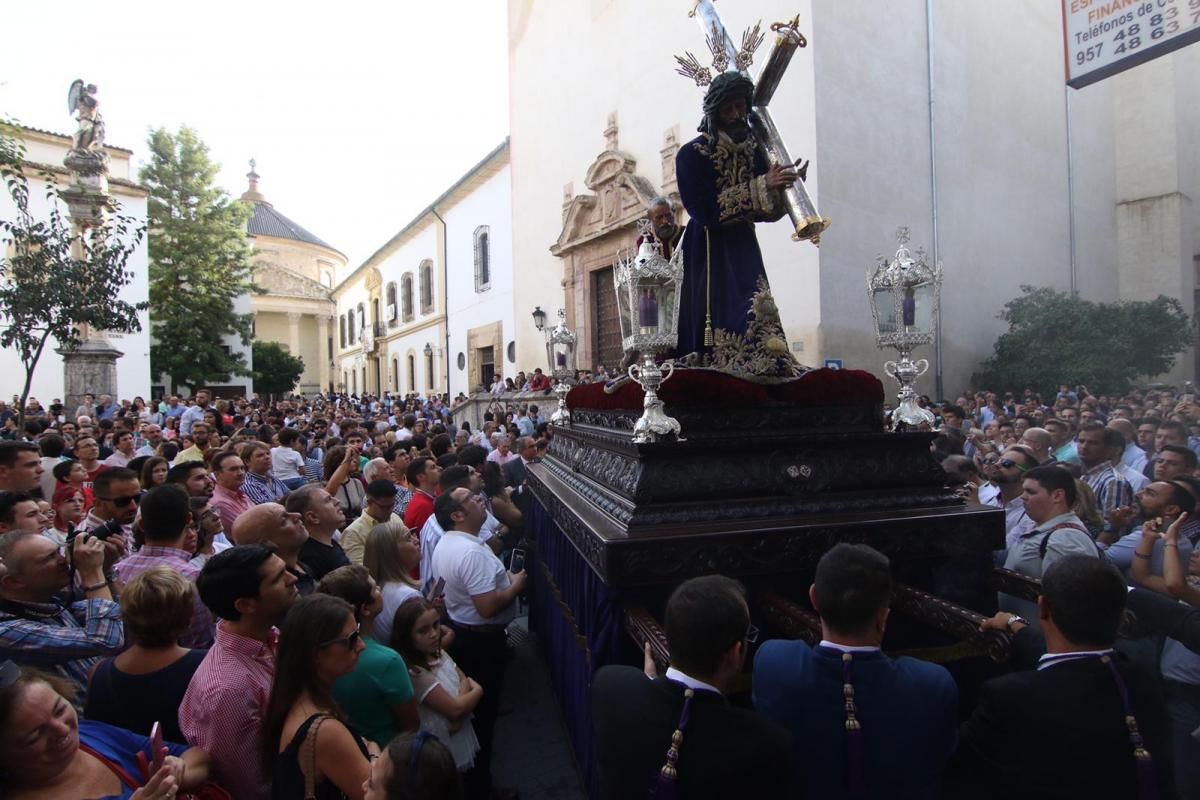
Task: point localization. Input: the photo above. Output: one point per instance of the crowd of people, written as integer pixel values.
(304, 598)
(1099, 499)
(310, 598)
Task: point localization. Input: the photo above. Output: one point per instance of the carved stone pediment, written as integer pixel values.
(282, 282)
(619, 199)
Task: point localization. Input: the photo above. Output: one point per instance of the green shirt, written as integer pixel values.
(367, 695)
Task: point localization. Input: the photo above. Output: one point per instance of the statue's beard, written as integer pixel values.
(665, 232)
(738, 130)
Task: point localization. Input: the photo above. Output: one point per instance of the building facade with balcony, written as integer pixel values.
(429, 311)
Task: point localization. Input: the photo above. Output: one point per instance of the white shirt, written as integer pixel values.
(286, 463)
(1050, 659)
(673, 674)
(394, 594)
(470, 569)
(845, 648)
(431, 534)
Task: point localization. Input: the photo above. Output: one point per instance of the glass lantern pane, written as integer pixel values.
(625, 310)
(918, 308)
(885, 310)
(562, 356)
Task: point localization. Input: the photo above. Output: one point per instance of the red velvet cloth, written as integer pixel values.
(699, 388)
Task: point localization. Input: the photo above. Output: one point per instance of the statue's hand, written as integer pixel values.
(779, 177)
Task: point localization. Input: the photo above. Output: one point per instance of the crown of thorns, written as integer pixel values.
(690, 66)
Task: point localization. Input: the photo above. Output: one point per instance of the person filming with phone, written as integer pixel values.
(480, 597)
(37, 628)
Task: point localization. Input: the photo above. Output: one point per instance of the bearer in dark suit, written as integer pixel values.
(515, 472)
(863, 725)
(720, 751)
(1085, 723)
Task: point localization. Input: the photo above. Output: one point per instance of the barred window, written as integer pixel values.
(426, 286)
(483, 259)
(406, 297)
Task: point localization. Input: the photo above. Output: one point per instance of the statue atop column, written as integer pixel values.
(92, 365)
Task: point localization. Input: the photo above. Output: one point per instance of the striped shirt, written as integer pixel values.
(199, 634)
(66, 640)
(264, 488)
(1111, 489)
(223, 708)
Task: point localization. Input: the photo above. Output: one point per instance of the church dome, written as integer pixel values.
(266, 221)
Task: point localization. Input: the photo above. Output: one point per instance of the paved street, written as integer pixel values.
(532, 751)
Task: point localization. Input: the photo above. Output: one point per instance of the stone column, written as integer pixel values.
(294, 332)
(323, 323)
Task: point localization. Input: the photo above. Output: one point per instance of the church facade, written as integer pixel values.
(949, 118)
(297, 271)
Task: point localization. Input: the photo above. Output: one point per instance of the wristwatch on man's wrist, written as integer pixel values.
(1014, 618)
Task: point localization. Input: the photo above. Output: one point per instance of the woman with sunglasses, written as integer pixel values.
(308, 744)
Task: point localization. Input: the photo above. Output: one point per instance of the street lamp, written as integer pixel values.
(428, 349)
(560, 354)
(906, 297)
(648, 308)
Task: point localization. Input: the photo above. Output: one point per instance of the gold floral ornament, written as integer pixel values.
(760, 354)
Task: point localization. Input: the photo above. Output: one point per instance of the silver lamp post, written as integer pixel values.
(906, 297)
(560, 354)
(647, 288)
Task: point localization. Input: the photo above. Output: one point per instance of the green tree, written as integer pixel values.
(53, 281)
(276, 371)
(199, 264)
(1056, 338)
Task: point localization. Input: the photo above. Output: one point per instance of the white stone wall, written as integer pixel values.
(489, 204)
(857, 102)
(133, 369)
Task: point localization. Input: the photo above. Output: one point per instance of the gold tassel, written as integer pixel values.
(709, 341)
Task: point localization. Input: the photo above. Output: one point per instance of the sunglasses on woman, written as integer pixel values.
(349, 641)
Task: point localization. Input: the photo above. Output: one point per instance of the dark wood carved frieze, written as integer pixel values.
(956, 621)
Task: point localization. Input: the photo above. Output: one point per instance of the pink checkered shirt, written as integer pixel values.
(223, 709)
(199, 634)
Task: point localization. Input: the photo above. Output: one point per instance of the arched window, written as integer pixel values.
(391, 311)
(429, 373)
(412, 373)
(362, 317)
(426, 286)
(350, 328)
(342, 330)
(406, 297)
(483, 259)
(395, 376)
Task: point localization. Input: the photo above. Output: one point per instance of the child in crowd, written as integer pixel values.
(445, 695)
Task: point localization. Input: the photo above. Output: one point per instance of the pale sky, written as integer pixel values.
(358, 114)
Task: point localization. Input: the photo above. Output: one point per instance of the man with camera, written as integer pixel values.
(39, 629)
(117, 493)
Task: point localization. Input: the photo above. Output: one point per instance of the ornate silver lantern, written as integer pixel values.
(560, 355)
(647, 288)
(906, 297)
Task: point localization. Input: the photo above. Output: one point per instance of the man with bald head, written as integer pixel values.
(1038, 441)
(271, 522)
(1133, 456)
